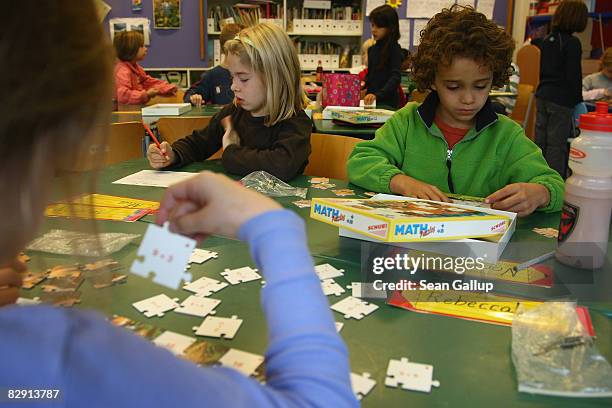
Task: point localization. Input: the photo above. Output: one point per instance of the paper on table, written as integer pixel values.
(416, 31)
(486, 7)
(404, 28)
(154, 178)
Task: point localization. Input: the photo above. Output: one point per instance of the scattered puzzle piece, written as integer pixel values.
(317, 180)
(547, 232)
(67, 284)
(219, 327)
(175, 342)
(31, 279)
(339, 326)
(205, 286)
(64, 271)
(165, 255)
(102, 265)
(302, 203)
(240, 275)
(354, 308)
(64, 299)
(242, 361)
(198, 306)
(100, 282)
(343, 192)
(21, 301)
(200, 256)
(366, 290)
(156, 305)
(326, 271)
(361, 384)
(330, 287)
(410, 376)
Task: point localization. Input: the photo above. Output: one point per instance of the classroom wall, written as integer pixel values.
(169, 48)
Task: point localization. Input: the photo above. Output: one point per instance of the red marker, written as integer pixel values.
(148, 129)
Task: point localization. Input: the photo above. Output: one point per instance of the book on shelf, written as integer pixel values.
(410, 220)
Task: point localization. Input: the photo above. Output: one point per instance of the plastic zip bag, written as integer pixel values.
(553, 353)
(269, 185)
(81, 244)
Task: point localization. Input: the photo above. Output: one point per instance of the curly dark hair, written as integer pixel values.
(461, 32)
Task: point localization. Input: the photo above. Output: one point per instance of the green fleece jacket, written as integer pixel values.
(494, 153)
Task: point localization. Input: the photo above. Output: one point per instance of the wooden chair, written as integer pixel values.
(417, 96)
(528, 61)
(176, 98)
(523, 106)
(172, 129)
(123, 142)
(329, 155)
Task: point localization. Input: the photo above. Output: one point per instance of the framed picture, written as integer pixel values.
(167, 14)
(130, 24)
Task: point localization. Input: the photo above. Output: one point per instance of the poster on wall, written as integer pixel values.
(118, 25)
(136, 5)
(167, 14)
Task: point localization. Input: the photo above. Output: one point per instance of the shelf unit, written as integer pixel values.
(309, 27)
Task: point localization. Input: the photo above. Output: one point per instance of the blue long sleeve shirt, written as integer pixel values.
(95, 364)
(215, 87)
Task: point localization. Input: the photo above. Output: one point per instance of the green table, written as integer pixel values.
(471, 360)
(328, 126)
(135, 116)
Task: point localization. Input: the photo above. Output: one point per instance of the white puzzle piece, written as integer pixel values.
(326, 271)
(205, 286)
(165, 255)
(361, 384)
(242, 361)
(21, 301)
(175, 342)
(366, 290)
(410, 376)
(198, 306)
(330, 287)
(339, 326)
(200, 256)
(354, 308)
(156, 305)
(219, 327)
(240, 275)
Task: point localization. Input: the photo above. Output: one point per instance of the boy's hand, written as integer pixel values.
(10, 282)
(411, 187)
(211, 203)
(196, 99)
(521, 198)
(160, 158)
(369, 99)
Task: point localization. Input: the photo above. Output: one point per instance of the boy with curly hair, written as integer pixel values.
(454, 142)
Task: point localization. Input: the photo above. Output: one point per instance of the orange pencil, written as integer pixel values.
(148, 129)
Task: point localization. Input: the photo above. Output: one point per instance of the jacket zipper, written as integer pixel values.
(449, 155)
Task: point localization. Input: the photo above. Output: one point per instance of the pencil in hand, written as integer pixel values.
(148, 129)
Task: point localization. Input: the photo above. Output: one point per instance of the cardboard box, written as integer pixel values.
(473, 248)
(166, 109)
(410, 219)
(363, 116)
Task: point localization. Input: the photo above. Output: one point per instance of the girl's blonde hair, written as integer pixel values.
(267, 49)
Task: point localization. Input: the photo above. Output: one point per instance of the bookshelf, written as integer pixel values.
(310, 23)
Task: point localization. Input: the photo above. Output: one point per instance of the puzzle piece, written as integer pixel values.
(361, 384)
(156, 305)
(200, 256)
(326, 271)
(410, 376)
(365, 290)
(354, 308)
(219, 327)
(330, 287)
(165, 255)
(21, 301)
(64, 299)
(339, 326)
(205, 286)
(242, 361)
(317, 180)
(175, 342)
(240, 275)
(198, 306)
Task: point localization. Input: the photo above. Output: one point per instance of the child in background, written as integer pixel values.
(599, 84)
(132, 85)
(363, 68)
(215, 85)
(560, 87)
(79, 353)
(454, 142)
(384, 59)
(266, 127)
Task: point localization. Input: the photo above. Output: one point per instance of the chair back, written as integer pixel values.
(174, 128)
(329, 155)
(523, 106)
(528, 61)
